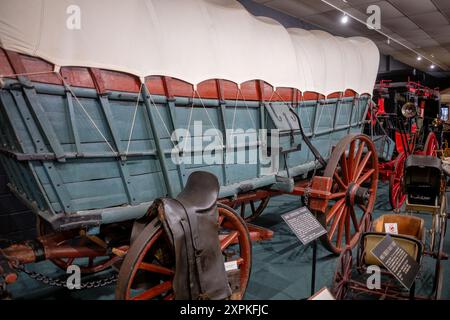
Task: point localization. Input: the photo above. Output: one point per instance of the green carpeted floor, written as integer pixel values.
(281, 267)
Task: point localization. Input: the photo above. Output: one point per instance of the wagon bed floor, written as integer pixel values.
(281, 266)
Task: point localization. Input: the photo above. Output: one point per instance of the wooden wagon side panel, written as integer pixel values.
(97, 177)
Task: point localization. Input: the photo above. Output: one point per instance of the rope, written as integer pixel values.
(246, 106)
(160, 117)
(322, 111)
(339, 110)
(87, 113)
(165, 126)
(210, 120)
(239, 91)
(73, 94)
(189, 121)
(234, 113)
(134, 118)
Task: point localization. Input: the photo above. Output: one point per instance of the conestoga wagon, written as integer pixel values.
(101, 116)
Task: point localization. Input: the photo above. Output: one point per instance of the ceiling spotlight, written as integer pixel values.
(344, 19)
(419, 58)
(432, 66)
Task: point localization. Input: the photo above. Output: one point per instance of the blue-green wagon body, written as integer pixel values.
(69, 156)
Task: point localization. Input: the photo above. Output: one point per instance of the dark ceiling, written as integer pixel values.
(423, 25)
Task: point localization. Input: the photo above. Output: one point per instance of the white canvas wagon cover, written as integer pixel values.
(193, 40)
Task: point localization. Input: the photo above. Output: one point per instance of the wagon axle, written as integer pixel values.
(357, 195)
(49, 247)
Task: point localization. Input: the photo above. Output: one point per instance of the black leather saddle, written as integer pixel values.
(190, 221)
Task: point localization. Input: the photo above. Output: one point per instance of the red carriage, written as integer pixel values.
(399, 130)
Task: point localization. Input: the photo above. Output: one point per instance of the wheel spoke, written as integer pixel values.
(155, 268)
(354, 219)
(366, 176)
(341, 183)
(348, 264)
(170, 296)
(342, 222)
(335, 223)
(362, 207)
(243, 210)
(362, 165)
(347, 227)
(338, 195)
(221, 218)
(358, 156)
(154, 291)
(252, 205)
(337, 206)
(228, 240)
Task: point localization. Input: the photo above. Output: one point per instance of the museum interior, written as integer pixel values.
(224, 149)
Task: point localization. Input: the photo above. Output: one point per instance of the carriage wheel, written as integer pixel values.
(343, 274)
(251, 210)
(87, 265)
(431, 145)
(353, 167)
(439, 272)
(149, 266)
(397, 194)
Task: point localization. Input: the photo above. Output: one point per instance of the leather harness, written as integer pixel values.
(191, 224)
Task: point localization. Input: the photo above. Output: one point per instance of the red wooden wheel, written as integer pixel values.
(148, 268)
(87, 265)
(353, 167)
(431, 145)
(397, 195)
(252, 209)
(343, 274)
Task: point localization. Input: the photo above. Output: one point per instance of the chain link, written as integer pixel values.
(308, 187)
(63, 284)
(51, 281)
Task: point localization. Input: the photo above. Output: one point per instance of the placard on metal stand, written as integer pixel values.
(307, 229)
(399, 263)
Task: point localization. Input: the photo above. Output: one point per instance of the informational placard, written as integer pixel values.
(391, 228)
(395, 259)
(231, 265)
(304, 225)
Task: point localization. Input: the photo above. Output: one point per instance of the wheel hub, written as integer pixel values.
(357, 195)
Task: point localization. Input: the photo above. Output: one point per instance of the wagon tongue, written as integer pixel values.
(357, 194)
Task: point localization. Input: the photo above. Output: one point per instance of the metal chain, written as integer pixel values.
(56, 282)
(308, 187)
(63, 284)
